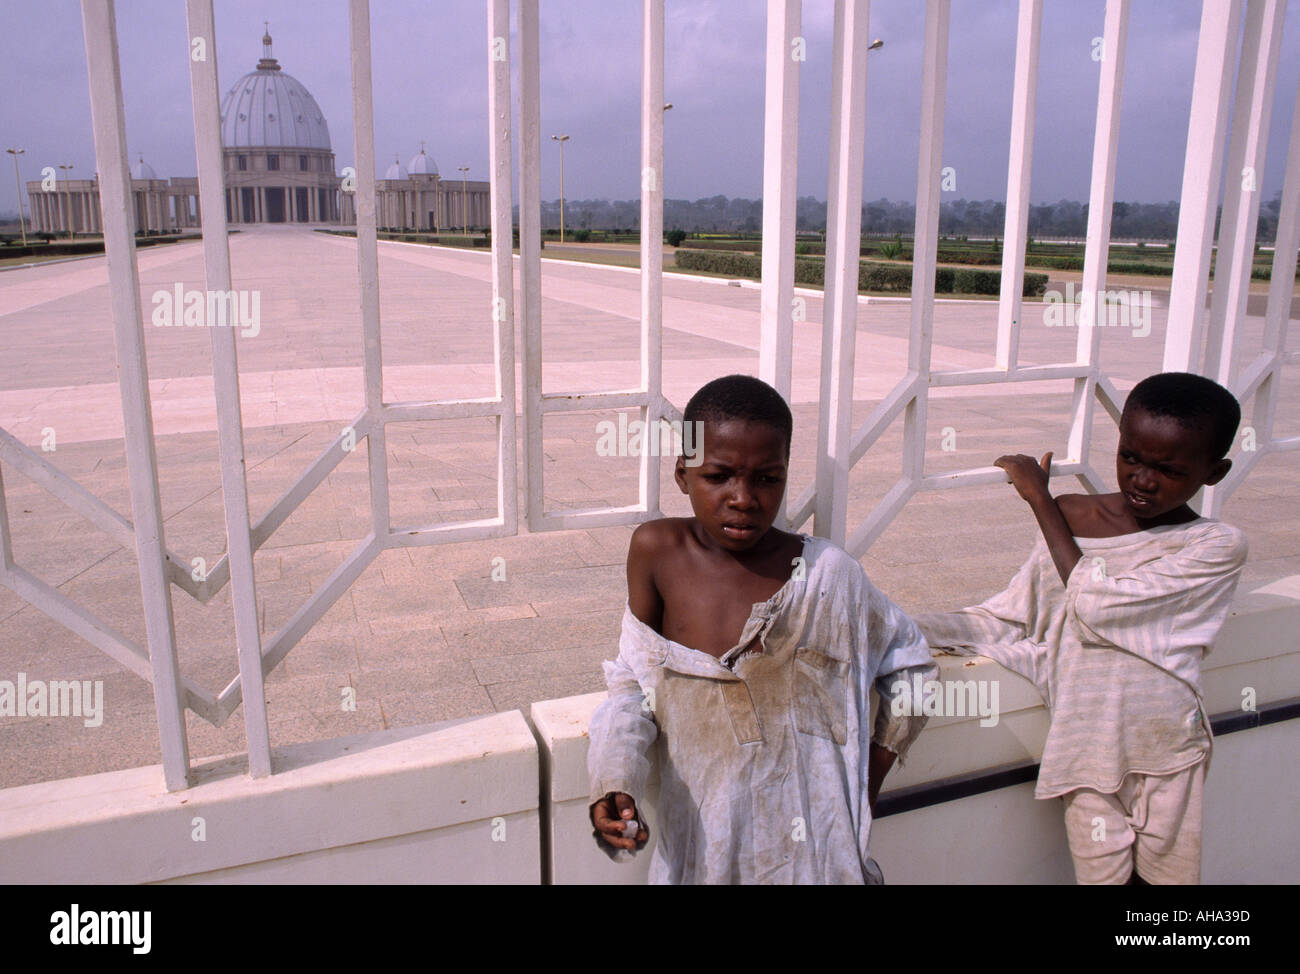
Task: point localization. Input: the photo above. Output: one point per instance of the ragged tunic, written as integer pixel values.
(763, 754)
(1116, 653)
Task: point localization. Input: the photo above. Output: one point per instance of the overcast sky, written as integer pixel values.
(430, 75)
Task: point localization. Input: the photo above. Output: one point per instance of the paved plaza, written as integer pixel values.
(427, 634)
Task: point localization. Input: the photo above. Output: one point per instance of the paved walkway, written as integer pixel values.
(427, 634)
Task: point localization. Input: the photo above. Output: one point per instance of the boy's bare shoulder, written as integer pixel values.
(1078, 504)
(658, 537)
(1084, 513)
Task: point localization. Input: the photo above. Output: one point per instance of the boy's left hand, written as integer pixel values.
(880, 760)
(1030, 477)
(610, 816)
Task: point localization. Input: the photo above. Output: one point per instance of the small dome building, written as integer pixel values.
(415, 197)
(142, 170)
(278, 160)
(396, 170)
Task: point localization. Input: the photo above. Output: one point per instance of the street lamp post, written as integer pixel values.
(464, 208)
(15, 152)
(561, 139)
(68, 211)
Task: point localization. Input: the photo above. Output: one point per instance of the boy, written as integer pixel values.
(1110, 616)
(748, 656)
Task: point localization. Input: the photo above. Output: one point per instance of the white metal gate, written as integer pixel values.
(840, 446)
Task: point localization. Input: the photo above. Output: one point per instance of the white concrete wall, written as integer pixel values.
(493, 800)
(453, 803)
(1006, 836)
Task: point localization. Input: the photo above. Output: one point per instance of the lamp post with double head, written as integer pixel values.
(561, 139)
(66, 177)
(464, 209)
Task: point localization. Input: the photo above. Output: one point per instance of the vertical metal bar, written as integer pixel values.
(1247, 149)
(6, 543)
(929, 172)
(109, 122)
(839, 332)
(205, 91)
(1216, 47)
(780, 192)
(1276, 323)
(822, 501)
(363, 111)
(652, 238)
(1101, 198)
(503, 264)
(1282, 282)
(1024, 103)
(530, 256)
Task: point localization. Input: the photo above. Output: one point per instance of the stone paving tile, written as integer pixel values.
(406, 709)
(433, 595)
(416, 675)
(544, 587)
(535, 666)
(324, 655)
(389, 624)
(317, 693)
(1258, 573)
(527, 554)
(207, 741)
(533, 635)
(51, 752)
(574, 606)
(377, 651)
(511, 696)
(301, 726)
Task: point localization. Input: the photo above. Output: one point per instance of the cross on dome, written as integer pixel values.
(268, 62)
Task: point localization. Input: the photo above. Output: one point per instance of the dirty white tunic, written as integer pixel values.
(1116, 653)
(763, 755)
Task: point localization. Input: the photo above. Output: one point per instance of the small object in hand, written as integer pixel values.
(631, 828)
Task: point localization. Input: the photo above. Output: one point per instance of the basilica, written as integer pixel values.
(279, 168)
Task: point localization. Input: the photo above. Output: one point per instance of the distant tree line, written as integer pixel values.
(720, 214)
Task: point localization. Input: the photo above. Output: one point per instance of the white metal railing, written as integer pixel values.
(1258, 379)
(1216, 68)
(841, 446)
(648, 396)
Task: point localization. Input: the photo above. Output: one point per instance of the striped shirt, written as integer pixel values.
(1116, 652)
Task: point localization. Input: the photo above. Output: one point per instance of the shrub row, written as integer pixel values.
(871, 276)
(743, 246)
(72, 248)
(443, 239)
(721, 262)
(977, 257)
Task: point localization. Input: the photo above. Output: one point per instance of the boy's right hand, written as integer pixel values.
(1030, 477)
(608, 816)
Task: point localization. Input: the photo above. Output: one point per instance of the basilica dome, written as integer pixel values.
(269, 108)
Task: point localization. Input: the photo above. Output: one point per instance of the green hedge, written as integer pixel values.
(871, 276)
(719, 262)
(743, 246)
(72, 248)
(979, 258)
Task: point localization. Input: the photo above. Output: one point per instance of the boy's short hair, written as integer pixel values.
(1193, 401)
(741, 397)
